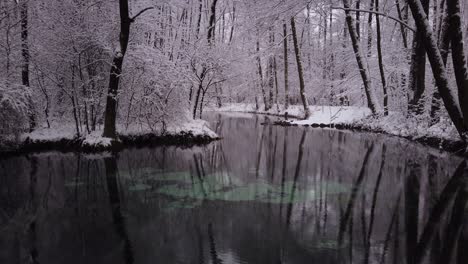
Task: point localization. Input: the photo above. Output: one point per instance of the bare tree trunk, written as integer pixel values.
(200, 12)
(25, 53)
(276, 84)
(417, 75)
(438, 69)
(443, 37)
(212, 25)
(358, 19)
(459, 56)
(219, 92)
(379, 54)
(402, 27)
(271, 71)
(233, 19)
(286, 67)
(299, 70)
(260, 75)
(369, 29)
(197, 99)
(371, 99)
(116, 69)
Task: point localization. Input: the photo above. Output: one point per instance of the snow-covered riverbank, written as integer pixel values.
(442, 135)
(64, 138)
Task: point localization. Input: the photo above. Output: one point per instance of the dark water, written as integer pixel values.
(264, 194)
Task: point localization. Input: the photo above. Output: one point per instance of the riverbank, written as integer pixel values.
(64, 138)
(441, 135)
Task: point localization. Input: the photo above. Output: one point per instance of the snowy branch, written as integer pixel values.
(376, 13)
(140, 13)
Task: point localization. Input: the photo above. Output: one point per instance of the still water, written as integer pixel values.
(263, 194)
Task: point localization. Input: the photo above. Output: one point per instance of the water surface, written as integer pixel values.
(263, 194)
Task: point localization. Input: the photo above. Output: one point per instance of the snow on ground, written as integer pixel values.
(399, 125)
(196, 127)
(50, 135)
(395, 123)
(319, 114)
(293, 110)
(334, 115)
(95, 139)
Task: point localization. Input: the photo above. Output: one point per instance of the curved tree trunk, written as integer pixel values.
(459, 56)
(438, 69)
(417, 76)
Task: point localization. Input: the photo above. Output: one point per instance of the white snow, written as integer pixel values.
(334, 115)
(293, 110)
(196, 127)
(95, 139)
(319, 114)
(397, 124)
(51, 134)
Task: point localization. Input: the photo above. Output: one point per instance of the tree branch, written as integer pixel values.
(139, 13)
(376, 13)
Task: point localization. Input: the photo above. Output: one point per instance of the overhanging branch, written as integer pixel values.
(376, 13)
(139, 13)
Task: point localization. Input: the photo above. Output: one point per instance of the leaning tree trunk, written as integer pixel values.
(379, 54)
(25, 53)
(438, 69)
(299, 70)
(417, 76)
(443, 36)
(459, 56)
(371, 99)
(116, 69)
(286, 67)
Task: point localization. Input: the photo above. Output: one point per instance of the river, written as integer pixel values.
(262, 194)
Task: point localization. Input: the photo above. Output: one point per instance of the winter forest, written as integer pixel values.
(233, 131)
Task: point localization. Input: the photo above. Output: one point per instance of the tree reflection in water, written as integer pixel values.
(263, 194)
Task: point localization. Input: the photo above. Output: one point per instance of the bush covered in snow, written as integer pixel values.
(14, 107)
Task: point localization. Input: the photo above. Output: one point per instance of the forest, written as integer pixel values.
(106, 67)
(233, 131)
